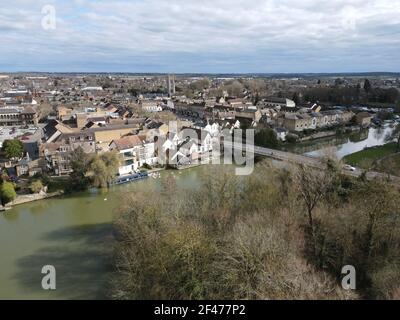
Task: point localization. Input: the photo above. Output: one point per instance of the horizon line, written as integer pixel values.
(204, 73)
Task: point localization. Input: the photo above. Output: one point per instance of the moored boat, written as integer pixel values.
(130, 178)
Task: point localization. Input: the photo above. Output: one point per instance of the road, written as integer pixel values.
(311, 161)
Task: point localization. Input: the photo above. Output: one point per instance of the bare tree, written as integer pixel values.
(313, 186)
(395, 135)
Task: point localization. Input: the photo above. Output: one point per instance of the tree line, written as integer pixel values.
(277, 234)
(355, 94)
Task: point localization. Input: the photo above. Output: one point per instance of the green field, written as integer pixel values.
(369, 158)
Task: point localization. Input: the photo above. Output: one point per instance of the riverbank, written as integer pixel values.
(330, 133)
(26, 198)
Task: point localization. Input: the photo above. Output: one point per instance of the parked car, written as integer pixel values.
(349, 168)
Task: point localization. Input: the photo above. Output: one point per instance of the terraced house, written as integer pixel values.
(298, 122)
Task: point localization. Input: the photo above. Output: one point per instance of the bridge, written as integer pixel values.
(307, 160)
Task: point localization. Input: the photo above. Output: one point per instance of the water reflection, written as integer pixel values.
(344, 144)
(74, 233)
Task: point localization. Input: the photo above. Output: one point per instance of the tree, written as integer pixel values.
(235, 89)
(100, 174)
(214, 243)
(80, 164)
(112, 161)
(378, 201)
(395, 135)
(7, 192)
(363, 232)
(13, 149)
(296, 98)
(367, 86)
(104, 168)
(200, 85)
(266, 138)
(338, 82)
(36, 186)
(256, 86)
(313, 186)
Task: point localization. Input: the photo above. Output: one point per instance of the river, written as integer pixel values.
(74, 233)
(345, 144)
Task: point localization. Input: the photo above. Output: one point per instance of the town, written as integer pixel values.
(49, 119)
(175, 153)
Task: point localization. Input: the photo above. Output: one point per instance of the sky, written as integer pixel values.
(200, 36)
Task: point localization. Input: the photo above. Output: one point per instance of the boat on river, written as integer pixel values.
(130, 178)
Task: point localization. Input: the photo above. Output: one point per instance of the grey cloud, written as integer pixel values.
(261, 35)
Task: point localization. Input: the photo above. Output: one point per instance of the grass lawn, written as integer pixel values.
(367, 158)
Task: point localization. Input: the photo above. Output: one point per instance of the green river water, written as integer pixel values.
(72, 233)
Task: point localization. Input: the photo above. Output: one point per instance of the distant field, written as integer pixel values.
(368, 158)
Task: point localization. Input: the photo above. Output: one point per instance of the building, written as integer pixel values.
(17, 116)
(364, 119)
(273, 102)
(27, 166)
(171, 85)
(223, 113)
(249, 114)
(151, 106)
(193, 110)
(298, 122)
(64, 113)
(195, 144)
(135, 152)
(57, 154)
(105, 135)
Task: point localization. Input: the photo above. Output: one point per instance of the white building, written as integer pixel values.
(151, 106)
(189, 144)
(135, 152)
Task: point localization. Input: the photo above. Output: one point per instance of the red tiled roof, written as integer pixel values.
(128, 142)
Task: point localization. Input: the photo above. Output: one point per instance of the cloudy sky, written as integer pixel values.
(200, 36)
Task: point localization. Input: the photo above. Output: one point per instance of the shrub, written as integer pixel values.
(7, 192)
(36, 186)
(291, 138)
